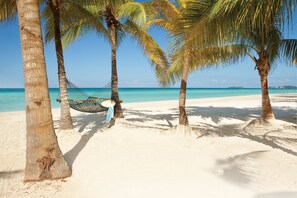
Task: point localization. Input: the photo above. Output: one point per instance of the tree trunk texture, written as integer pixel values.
(263, 67)
(118, 111)
(183, 118)
(44, 159)
(65, 116)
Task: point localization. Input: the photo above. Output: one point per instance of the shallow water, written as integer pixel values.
(14, 99)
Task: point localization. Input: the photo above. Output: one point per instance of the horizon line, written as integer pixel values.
(230, 87)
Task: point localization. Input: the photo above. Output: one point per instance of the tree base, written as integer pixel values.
(268, 117)
(113, 122)
(48, 167)
(66, 123)
(184, 130)
(262, 126)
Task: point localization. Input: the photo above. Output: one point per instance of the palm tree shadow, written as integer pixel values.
(233, 168)
(217, 115)
(289, 194)
(146, 116)
(86, 120)
(90, 122)
(8, 174)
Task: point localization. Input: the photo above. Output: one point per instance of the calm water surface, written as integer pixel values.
(14, 99)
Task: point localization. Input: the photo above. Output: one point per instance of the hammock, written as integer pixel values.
(84, 102)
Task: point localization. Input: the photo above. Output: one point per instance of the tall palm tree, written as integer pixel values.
(57, 12)
(253, 28)
(185, 57)
(65, 116)
(44, 159)
(120, 18)
(54, 7)
(264, 51)
(168, 16)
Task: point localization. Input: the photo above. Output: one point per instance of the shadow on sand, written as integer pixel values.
(8, 174)
(216, 115)
(278, 195)
(233, 167)
(92, 123)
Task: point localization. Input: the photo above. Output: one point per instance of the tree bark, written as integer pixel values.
(183, 118)
(44, 159)
(263, 67)
(118, 111)
(65, 116)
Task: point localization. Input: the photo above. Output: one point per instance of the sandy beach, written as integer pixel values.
(139, 157)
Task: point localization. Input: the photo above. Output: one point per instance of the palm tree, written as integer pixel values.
(168, 17)
(65, 116)
(54, 7)
(120, 18)
(256, 27)
(57, 12)
(267, 49)
(44, 159)
(185, 57)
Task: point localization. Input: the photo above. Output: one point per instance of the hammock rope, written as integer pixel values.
(81, 101)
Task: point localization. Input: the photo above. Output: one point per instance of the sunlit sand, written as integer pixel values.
(227, 155)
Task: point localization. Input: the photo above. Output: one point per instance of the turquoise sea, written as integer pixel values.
(14, 99)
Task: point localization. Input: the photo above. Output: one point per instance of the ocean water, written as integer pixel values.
(14, 99)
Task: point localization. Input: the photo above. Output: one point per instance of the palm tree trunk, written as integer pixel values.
(118, 111)
(263, 67)
(44, 159)
(183, 118)
(65, 117)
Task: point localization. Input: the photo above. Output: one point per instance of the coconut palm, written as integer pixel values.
(57, 12)
(168, 16)
(54, 8)
(120, 18)
(185, 55)
(65, 116)
(44, 159)
(265, 53)
(254, 29)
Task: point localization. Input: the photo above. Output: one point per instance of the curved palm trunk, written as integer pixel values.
(65, 116)
(44, 159)
(183, 118)
(263, 67)
(118, 111)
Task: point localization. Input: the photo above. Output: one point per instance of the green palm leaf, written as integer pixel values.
(288, 48)
(151, 49)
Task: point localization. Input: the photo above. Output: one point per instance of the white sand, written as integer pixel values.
(139, 158)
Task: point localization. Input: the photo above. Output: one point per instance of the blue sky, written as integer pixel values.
(88, 64)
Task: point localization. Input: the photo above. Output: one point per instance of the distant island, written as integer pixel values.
(235, 87)
(284, 87)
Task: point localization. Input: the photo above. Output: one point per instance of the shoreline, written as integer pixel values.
(188, 101)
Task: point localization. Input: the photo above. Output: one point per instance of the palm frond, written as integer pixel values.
(120, 35)
(71, 32)
(166, 9)
(151, 49)
(257, 15)
(76, 21)
(48, 20)
(203, 58)
(8, 9)
(288, 48)
(134, 11)
(163, 23)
